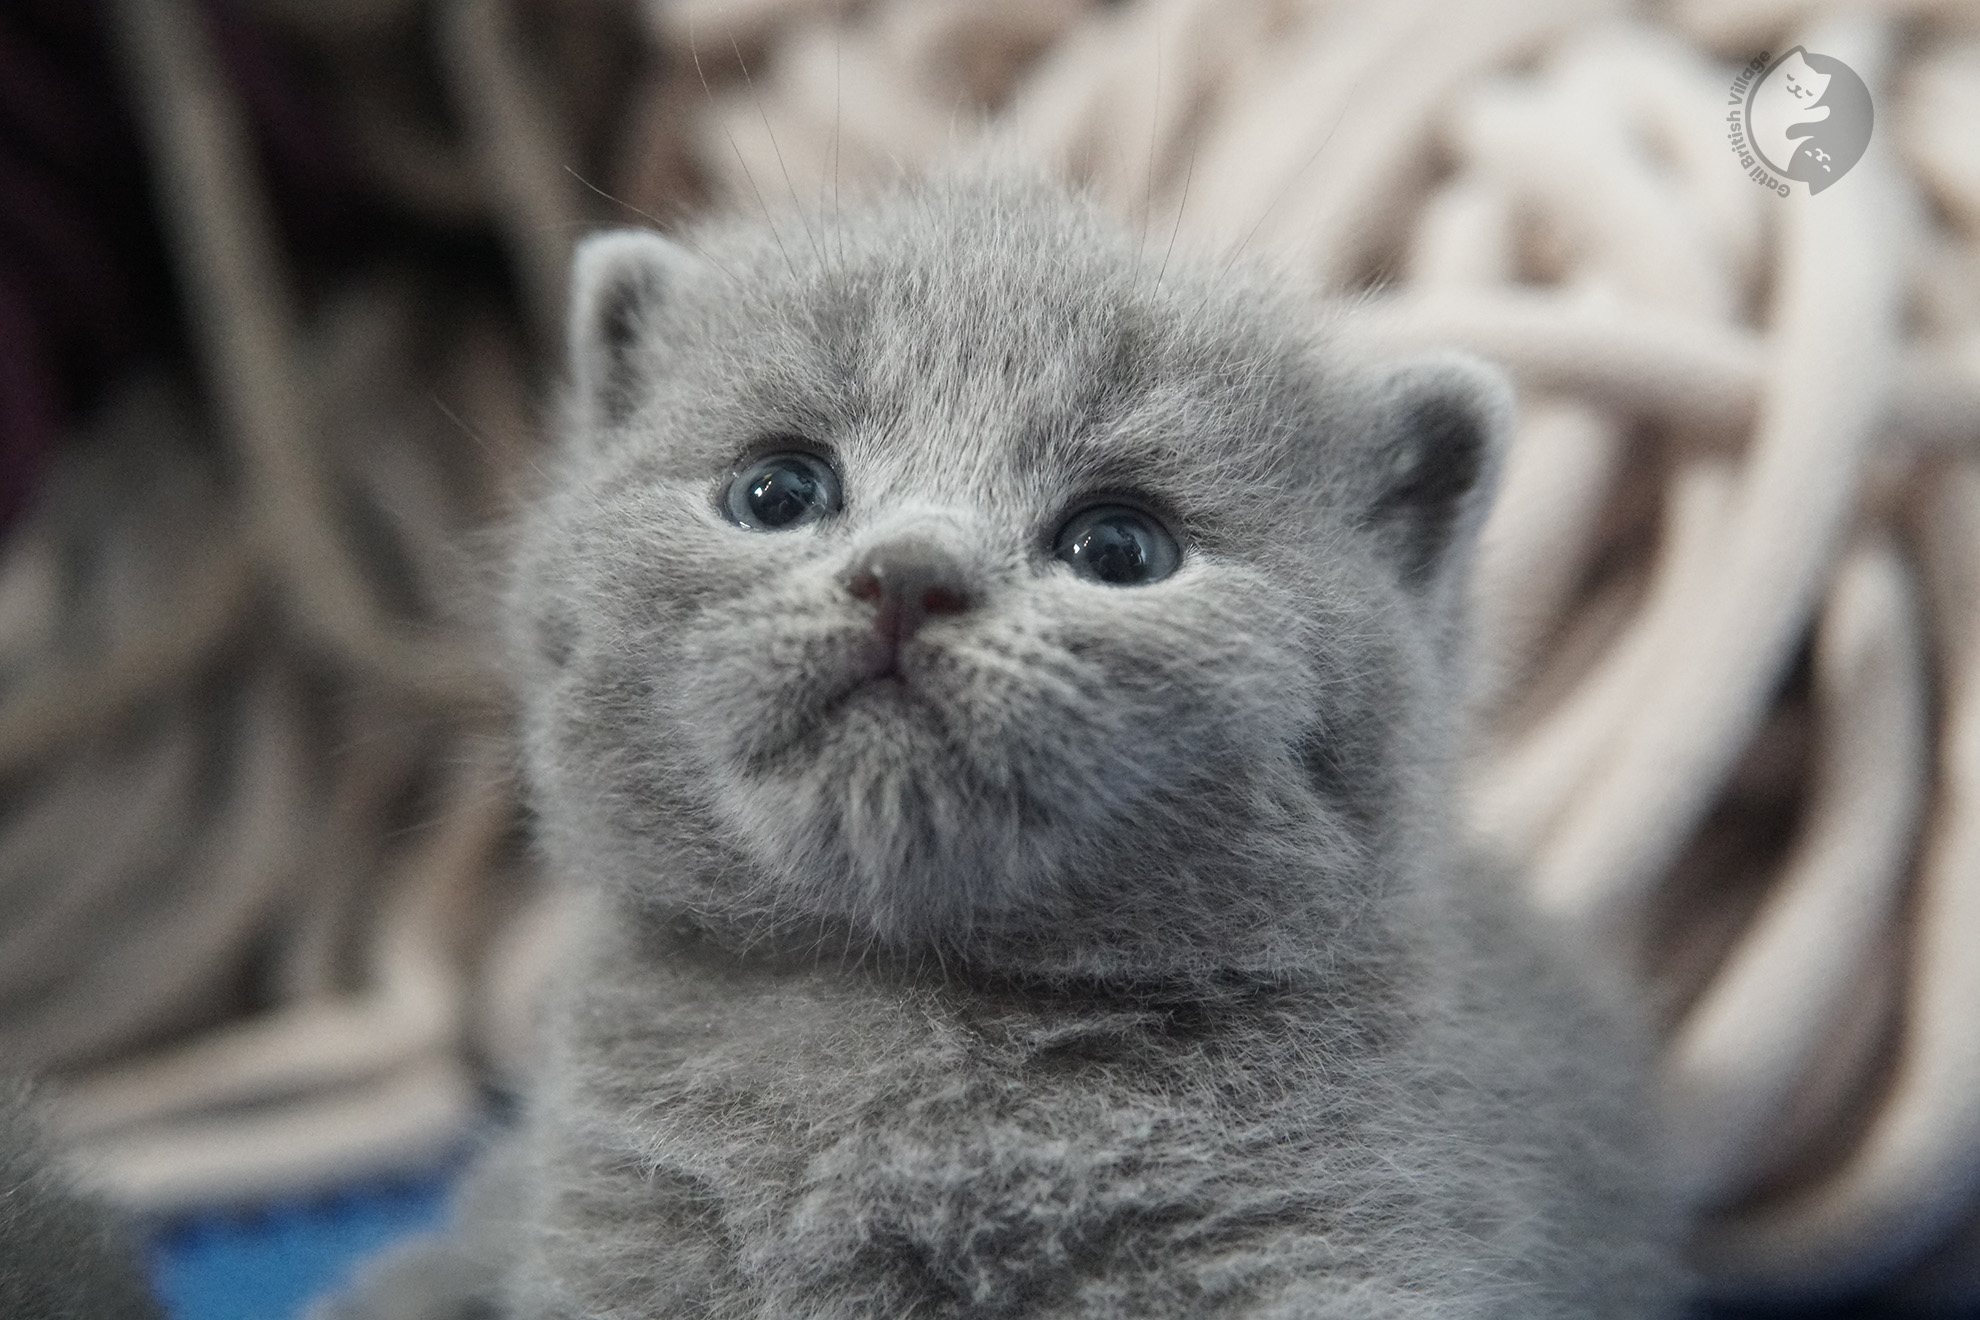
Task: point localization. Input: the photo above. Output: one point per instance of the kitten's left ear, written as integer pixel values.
(1445, 422)
(620, 280)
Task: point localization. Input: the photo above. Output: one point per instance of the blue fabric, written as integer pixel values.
(270, 1262)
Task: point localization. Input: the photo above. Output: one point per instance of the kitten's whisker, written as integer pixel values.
(493, 452)
(1286, 187)
(616, 201)
(694, 52)
(658, 223)
(1176, 228)
(838, 115)
(1154, 130)
(797, 202)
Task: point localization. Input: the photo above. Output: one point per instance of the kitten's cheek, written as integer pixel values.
(731, 727)
(741, 708)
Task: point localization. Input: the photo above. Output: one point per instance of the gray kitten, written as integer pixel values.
(998, 694)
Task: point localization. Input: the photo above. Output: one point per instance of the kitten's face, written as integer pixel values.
(950, 575)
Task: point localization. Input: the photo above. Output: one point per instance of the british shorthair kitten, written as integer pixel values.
(999, 698)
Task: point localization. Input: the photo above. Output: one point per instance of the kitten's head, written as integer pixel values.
(940, 573)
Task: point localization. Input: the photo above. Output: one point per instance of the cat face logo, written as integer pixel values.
(1808, 118)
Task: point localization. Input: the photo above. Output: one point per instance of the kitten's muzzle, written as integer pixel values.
(907, 580)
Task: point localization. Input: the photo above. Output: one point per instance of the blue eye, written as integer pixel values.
(1117, 545)
(780, 491)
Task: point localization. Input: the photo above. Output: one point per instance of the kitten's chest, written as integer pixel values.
(783, 1076)
(821, 1050)
(824, 1131)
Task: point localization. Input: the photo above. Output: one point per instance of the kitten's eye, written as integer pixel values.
(781, 491)
(1118, 545)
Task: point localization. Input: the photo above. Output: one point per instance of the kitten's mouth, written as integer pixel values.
(838, 693)
(884, 682)
(878, 659)
(876, 672)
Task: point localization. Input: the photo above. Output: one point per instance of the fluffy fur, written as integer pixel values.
(1118, 958)
(62, 1257)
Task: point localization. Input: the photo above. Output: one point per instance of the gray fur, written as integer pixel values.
(1124, 962)
(62, 1256)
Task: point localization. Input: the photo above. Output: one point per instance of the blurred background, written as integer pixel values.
(280, 306)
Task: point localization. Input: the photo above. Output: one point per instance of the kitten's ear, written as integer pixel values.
(1445, 422)
(620, 280)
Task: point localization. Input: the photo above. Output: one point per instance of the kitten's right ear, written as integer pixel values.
(620, 280)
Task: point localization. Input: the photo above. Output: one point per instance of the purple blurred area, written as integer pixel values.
(86, 284)
(83, 282)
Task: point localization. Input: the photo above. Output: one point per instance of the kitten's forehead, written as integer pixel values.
(1003, 334)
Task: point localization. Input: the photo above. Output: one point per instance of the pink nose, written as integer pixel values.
(907, 581)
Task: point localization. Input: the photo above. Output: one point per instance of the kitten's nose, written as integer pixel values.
(907, 580)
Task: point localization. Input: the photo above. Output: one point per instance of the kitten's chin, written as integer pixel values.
(891, 716)
(881, 824)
